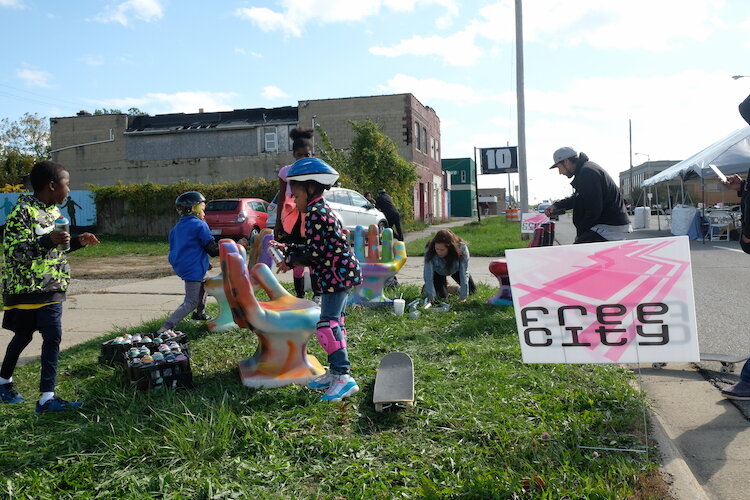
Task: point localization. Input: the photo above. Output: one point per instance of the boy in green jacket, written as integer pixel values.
(35, 278)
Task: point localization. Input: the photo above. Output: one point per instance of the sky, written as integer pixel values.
(598, 75)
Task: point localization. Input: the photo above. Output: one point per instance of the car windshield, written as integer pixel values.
(221, 205)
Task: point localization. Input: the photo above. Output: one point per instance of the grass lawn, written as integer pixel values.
(485, 424)
(491, 237)
(115, 246)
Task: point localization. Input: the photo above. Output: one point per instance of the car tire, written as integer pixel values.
(255, 231)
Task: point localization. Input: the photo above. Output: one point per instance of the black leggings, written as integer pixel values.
(441, 284)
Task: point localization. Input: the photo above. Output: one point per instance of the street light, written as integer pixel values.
(648, 157)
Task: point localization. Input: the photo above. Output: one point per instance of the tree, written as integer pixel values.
(22, 143)
(29, 135)
(373, 163)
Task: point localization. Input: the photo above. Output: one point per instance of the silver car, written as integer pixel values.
(352, 209)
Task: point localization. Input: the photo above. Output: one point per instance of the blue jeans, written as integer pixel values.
(23, 323)
(745, 373)
(332, 306)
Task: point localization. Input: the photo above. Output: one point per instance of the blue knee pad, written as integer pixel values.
(327, 336)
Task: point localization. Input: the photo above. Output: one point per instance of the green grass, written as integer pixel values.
(483, 422)
(490, 237)
(115, 246)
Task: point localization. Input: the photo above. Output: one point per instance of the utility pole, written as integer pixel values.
(521, 110)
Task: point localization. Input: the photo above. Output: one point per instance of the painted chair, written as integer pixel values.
(544, 236)
(215, 286)
(379, 262)
(283, 324)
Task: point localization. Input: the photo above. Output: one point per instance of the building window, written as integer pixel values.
(425, 149)
(437, 150)
(463, 175)
(417, 128)
(270, 139)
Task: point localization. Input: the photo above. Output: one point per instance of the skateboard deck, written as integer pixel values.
(727, 360)
(394, 382)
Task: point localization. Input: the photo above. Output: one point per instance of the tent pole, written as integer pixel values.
(658, 209)
(703, 203)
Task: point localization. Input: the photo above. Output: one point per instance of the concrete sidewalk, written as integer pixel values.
(704, 439)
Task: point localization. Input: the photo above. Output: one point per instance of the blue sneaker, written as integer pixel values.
(739, 391)
(9, 395)
(342, 386)
(56, 404)
(322, 382)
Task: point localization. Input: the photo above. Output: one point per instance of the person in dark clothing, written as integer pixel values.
(599, 212)
(384, 203)
(741, 390)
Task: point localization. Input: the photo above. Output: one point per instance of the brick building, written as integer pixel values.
(233, 145)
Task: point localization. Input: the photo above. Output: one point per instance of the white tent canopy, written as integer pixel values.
(731, 155)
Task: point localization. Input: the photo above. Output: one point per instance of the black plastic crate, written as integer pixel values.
(174, 374)
(114, 354)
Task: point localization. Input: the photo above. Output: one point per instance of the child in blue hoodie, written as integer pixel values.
(190, 245)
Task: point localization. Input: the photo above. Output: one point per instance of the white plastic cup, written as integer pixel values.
(398, 306)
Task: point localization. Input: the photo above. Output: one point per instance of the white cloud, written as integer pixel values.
(295, 14)
(178, 102)
(458, 49)
(638, 24)
(12, 4)
(431, 89)
(123, 13)
(93, 60)
(34, 77)
(273, 92)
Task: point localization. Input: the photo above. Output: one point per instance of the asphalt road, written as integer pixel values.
(721, 280)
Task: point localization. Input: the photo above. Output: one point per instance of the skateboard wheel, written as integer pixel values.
(727, 368)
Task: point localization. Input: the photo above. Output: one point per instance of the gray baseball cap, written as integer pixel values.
(563, 154)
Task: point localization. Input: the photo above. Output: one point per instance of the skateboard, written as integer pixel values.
(394, 382)
(727, 361)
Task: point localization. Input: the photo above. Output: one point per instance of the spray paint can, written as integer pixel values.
(276, 255)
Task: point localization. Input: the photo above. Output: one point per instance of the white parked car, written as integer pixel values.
(352, 209)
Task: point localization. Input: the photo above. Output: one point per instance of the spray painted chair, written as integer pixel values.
(720, 223)
(215, 286)
(380, 261)
(544, 236)
(283, 324)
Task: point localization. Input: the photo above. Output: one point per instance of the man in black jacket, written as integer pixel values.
(741, 390)
(384, 203)
(599, 212)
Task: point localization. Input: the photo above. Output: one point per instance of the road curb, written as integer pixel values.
(683, 484)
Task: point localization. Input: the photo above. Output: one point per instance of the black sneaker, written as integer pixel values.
(200, 316)
(9, 395)
(57, 404)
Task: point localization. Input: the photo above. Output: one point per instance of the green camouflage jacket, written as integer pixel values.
(34, 269)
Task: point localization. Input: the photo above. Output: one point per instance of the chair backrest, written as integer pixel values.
(720, 216)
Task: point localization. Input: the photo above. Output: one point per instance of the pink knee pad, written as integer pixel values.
(327, 338)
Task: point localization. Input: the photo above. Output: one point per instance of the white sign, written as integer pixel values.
(530, 221)
(612, 302)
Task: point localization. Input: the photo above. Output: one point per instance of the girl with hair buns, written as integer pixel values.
(447, 255)
(290, 224)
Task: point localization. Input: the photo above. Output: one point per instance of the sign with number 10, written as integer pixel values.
(499, 160)
(612, 302)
